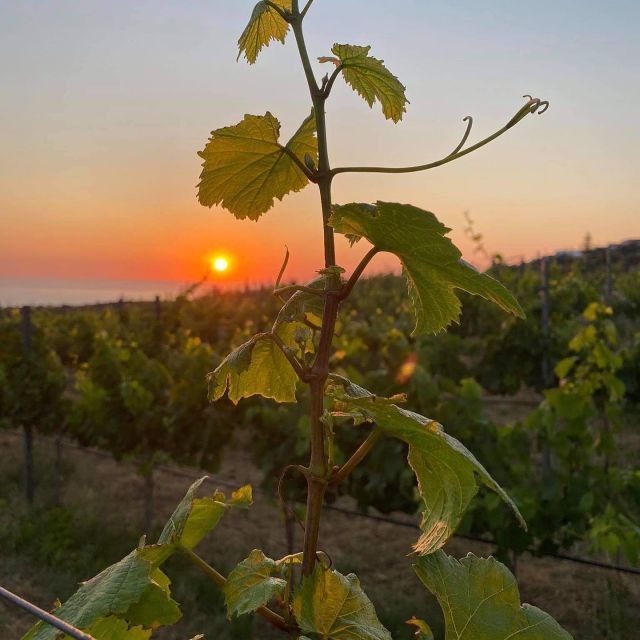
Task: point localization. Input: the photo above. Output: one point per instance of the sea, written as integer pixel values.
(15, 292)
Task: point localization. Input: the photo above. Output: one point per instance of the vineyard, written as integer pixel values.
(550, 405)
(220, 464)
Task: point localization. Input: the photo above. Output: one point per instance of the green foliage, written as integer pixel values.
(135, 590)
(252, 584)
(445, 469)
(33, 382)
(368, 77)
(258, 367)
(480, 600)
(119, 590)
(245, 167)
(431, 263)
(335, 606)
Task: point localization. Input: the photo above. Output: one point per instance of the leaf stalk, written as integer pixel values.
(220, 581)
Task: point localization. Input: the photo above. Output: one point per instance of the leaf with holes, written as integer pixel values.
(265, 25)
(448, 473)
(368, 77)
(480, 600)
(245, 167)
(431, 262)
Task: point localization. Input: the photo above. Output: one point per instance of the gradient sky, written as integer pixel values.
(105, 103)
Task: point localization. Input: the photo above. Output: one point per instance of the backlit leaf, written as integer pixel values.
(370, 79)
(335, 606)
(258, 367)
(193, 518)
(265, 25)
(480, 601)
(245, 167)
(432, 264)
(251, 584)
(448, 473)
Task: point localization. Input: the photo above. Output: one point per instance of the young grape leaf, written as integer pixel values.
(448, 473)
(368, 77)
(480, 600)
(113, 593)
(335, 606)
(265, 25)
(258, 367)
(194, 517)
(113, 628)
(251, 584)
(245, 167)
(432, 264)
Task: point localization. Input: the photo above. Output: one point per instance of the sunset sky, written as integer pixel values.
(105, 103)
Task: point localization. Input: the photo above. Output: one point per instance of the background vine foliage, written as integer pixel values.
(245, 169)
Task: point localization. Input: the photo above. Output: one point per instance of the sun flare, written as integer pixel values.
(219, 264)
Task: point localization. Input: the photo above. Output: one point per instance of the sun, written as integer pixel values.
(219, 264)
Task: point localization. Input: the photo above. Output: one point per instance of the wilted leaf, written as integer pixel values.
(448, 473)
(370, 79)
(245, 167)
(265, 25)
(431, 262)
(335, 606)
(480, 600)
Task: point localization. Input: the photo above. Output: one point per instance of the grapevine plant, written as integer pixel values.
(245, 169)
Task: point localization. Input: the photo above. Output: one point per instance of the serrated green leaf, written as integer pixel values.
(448, 473)
(335, 606)
(368, 77)
(113, 628)
(193, 518)
(258, 367)
(480, 601)
(265, 25)
(432, 264)
(111, 593)
(251, 584)
(245, 167)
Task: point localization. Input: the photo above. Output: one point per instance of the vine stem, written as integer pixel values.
(218, 579)
(317, 478)
(359, 455)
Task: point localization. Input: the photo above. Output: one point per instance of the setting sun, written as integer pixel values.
(219, 264)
